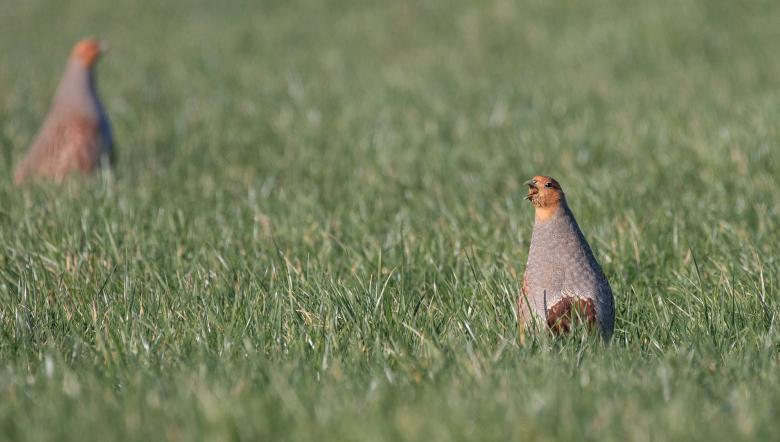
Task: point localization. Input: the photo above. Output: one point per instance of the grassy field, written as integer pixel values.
(316, 228)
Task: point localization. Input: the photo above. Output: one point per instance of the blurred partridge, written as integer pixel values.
(76, 135)
(562, 281)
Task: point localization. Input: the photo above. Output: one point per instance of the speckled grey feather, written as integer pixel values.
(561, 264)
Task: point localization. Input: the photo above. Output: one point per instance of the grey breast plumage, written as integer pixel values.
(561, 265)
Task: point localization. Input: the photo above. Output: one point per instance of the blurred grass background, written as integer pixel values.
(316, 227)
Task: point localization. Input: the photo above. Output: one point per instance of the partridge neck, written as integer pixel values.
(76, 90)
(544, 214)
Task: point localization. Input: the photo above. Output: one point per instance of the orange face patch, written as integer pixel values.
(87, 51)
(544, 192)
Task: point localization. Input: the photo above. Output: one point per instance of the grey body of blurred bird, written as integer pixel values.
(76, 134)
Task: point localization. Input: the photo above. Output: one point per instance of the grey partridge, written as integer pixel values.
(563, 281)
(76, 134)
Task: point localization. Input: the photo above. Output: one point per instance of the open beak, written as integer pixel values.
(532, 189)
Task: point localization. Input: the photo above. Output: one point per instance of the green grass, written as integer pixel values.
(316, 228)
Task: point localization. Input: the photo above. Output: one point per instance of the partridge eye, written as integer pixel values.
(548, 185)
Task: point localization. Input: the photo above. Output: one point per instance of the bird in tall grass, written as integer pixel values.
(563, 282)
(76, 134)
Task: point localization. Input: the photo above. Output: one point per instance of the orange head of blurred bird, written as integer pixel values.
(88, 51)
